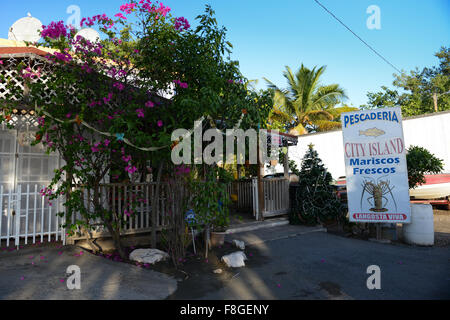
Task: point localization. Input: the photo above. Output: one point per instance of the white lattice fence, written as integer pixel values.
(8, 70)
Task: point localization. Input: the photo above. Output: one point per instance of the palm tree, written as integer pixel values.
(306, 105)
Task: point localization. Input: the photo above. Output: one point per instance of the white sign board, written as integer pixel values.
(375, 165)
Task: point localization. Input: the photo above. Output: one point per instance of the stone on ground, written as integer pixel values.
(239, 244)
(151, 256)
(235, 259)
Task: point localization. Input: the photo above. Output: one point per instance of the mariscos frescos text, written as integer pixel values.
(383, 155)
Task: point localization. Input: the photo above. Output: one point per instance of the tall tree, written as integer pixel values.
(306, 104)
(420, 92)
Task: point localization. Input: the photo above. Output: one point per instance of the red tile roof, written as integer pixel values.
(12, 50)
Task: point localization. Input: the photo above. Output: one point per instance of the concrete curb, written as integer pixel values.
(259, 225)
(320, 229)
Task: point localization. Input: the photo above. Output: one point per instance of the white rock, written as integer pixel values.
(235, 259)
(218, 271)
(239, 244)
(148, 255)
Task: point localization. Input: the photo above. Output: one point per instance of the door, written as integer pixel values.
(27, 169)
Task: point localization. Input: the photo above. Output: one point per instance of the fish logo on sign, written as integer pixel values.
(372, 132)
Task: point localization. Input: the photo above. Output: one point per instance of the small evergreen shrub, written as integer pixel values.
(314, 200)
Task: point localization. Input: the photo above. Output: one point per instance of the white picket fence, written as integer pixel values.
(26, 216)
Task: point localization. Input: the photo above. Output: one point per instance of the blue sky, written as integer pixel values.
(268, 35)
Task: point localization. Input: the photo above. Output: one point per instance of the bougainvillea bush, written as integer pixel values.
(109, 107)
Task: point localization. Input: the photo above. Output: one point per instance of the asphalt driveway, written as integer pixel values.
(288, 262)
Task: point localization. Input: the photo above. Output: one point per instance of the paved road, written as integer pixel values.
(100, 278)
(289, 263)
(286, 262)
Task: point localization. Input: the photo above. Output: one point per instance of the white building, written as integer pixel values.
(431, 131)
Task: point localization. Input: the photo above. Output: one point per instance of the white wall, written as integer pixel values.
(431, 132)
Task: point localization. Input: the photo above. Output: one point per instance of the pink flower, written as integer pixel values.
(181, 84)
(108, 99)
(163, 10)
(140, 113)
(149, 104)
(120, 16)
(106, 142)
(128, 7)
(126, 159)
(63, 56)
(181, 24)
(119, 86)
(54, 30)
(160, 123)
(130, 169)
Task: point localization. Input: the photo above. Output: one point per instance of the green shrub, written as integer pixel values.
(314, 199)
(420, 161)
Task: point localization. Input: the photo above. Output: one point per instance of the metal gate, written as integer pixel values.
(24, 171)
(276, 196)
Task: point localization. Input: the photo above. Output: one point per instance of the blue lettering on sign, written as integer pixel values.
(376, 115)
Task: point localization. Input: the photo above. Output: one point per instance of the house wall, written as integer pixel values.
(430, 131)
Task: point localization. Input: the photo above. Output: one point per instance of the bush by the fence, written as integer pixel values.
(313, 199)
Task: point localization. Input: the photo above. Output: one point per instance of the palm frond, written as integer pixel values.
(298, 130)
(325, 125)
(280, 116)
(336, 112)
(328, 96)
(271, 85)
(317, 115)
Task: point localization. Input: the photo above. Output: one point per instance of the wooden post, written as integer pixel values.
(286, 164)
(378, 228)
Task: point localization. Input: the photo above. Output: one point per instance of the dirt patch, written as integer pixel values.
(195, 275)
(200, 277)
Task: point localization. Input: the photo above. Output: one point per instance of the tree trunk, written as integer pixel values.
(155, 203)
(113, 231)
(94, 247)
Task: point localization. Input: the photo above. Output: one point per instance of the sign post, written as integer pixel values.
(375, 164)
